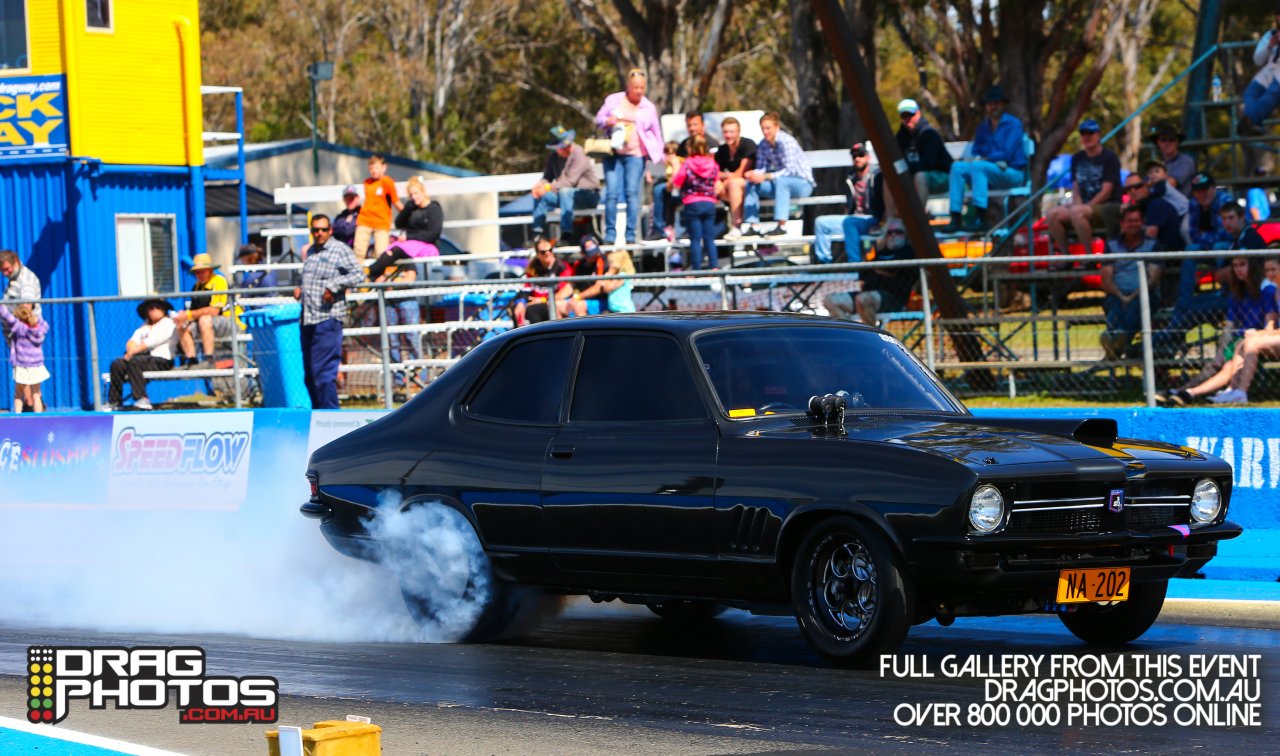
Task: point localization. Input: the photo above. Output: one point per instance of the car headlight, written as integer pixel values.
(986, 509)
(1206, 502)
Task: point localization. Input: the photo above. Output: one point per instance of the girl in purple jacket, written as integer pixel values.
(26, 352)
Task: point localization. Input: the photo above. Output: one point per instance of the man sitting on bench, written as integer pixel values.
(149, 348)
(211, 314)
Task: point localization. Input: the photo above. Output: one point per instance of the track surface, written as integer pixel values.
(603, 678)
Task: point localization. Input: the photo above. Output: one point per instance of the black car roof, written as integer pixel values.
(686, 322)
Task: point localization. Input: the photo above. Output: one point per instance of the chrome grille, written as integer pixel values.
(1070, 508)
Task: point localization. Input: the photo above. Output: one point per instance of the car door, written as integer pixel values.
(629, 479)
(504, 428)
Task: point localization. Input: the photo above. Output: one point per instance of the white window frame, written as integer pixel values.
(26, 31)
(149, 283)
(110, 28)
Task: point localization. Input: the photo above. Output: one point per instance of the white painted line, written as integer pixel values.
(71, 736)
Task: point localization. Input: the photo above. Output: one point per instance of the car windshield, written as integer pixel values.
(777, 368)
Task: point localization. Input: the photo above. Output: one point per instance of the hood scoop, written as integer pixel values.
(1093, 431)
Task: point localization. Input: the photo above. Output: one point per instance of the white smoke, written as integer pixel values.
(436, 556)
(264, 571)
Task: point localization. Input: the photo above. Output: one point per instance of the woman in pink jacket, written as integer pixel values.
(696, 180)
(631, 122)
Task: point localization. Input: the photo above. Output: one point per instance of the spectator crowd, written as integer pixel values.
(712, 189)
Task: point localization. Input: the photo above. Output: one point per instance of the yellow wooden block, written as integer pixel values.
(334, 738)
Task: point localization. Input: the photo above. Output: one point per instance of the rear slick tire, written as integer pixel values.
(851, 597)
(1120, 623)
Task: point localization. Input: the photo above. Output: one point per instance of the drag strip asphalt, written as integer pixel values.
(601, 678)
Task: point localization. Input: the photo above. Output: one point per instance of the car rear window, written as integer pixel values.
(627, 377)
(777, 369)
(528, 384)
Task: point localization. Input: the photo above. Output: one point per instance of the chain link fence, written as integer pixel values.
(1008, 330)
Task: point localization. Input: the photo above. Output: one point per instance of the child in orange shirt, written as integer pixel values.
(375, 214)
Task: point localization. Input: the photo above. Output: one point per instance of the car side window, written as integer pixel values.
(528, 384)
(633, 377)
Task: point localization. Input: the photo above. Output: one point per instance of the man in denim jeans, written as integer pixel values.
(859, 218)
(781, 172)
(569, 182)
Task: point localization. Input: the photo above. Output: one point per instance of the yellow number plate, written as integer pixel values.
(1082, 586)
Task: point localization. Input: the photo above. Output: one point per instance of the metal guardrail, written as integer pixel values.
(792, 288)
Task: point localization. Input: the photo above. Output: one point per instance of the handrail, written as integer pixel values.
(1049, 182)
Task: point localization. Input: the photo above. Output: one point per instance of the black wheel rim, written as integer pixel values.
(845, 587)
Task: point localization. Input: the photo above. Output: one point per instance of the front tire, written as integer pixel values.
(1119, 623)
(851, 597)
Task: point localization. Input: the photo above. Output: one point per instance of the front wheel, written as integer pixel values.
(850, 595)
(1119, 623)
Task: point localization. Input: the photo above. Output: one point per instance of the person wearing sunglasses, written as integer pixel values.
(330, 269)
(1160, 218)
(925, 152)
(1095, 192)
(859, 217)
(882, 289)
(1180, 166)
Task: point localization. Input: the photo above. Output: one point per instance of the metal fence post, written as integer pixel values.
(1148, 357)
(235, 354)
(95, 374)
(724, 290)
(386, 348)
(927, 307)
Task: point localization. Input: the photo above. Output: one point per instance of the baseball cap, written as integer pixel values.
(1089, 126)
(351, 189)
(858, 150)
(908, 106)
(1202, 181)
(246, 250)
(561, 137)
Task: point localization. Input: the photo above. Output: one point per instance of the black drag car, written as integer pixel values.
(777, 463)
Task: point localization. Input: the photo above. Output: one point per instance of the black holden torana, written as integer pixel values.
(777, 463)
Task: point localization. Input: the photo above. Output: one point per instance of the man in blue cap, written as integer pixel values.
(996, 159)
(1095, 192)
(568, 182)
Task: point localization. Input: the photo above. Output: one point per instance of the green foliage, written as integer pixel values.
(532, 66)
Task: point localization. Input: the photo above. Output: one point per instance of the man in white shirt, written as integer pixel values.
(150, 348)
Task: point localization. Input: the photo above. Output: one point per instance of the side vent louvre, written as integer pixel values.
(749, 526)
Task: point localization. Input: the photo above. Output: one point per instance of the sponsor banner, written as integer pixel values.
(180, 460)
(54, 461)
(329, 426)
(33, 117)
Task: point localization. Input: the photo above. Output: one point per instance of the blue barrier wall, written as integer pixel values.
(246, 461)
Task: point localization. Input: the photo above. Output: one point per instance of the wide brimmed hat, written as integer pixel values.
(147, 305)
(1165, 128)
(202, 261)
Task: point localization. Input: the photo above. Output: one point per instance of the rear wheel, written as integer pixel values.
(687, 611)
(850, 595)
(1121, 622)
(445, 577)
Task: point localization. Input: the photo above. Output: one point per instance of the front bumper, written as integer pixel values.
(977, 570)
